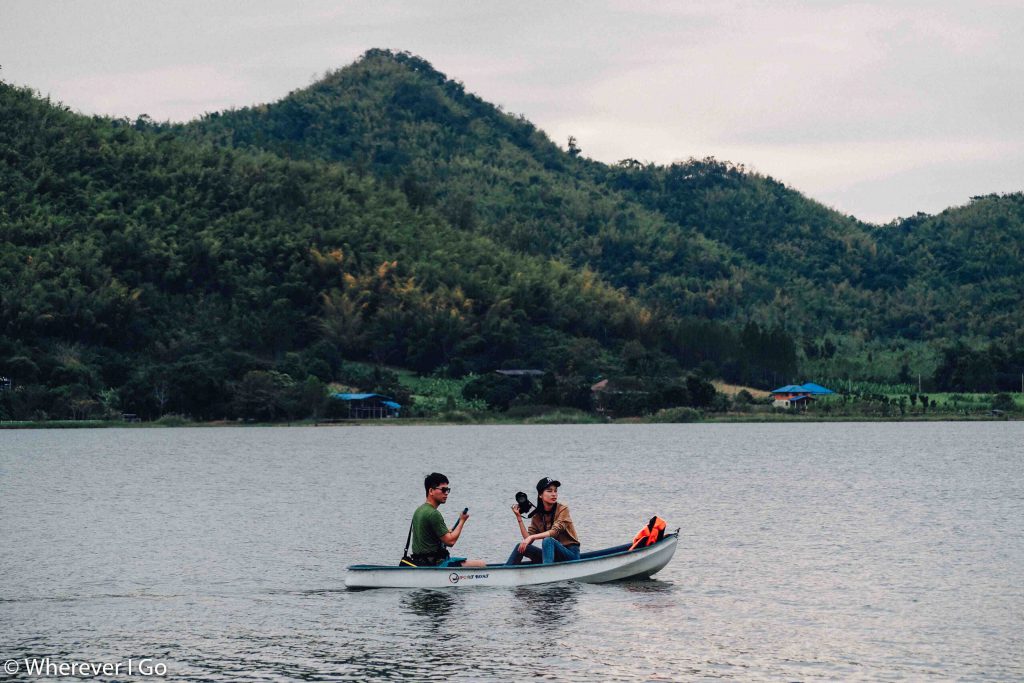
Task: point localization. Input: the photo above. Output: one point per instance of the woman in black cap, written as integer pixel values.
(550, 523)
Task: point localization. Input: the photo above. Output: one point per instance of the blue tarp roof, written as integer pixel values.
(359, 397)
(809, 388)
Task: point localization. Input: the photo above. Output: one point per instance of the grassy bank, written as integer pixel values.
(440, 401)
(553, 418)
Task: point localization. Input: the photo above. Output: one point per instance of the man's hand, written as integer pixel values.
(452, 536)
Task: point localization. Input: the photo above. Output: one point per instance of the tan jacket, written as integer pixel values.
(565, 531)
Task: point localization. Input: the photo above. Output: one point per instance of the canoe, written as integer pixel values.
(599, 566)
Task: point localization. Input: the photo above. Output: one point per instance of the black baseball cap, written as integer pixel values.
(546, 482)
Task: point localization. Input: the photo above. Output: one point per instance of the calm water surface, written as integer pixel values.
(808, 552)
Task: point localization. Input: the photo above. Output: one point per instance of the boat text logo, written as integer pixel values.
(455, 577)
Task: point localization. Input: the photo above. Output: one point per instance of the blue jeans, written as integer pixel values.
(550, 551)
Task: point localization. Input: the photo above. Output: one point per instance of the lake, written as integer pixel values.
(874, 551)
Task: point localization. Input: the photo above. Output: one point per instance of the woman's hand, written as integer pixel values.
(515, 509)
(522, 546)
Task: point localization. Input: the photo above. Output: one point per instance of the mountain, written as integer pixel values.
(385, 214)
(393, 116)
(149, 273)
(701, 238)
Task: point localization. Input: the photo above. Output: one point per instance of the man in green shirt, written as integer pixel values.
(430, 535)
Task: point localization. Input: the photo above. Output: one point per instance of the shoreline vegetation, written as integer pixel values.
(420, 422)
(496, 400)
(459, 418)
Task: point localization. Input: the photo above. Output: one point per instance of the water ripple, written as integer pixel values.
(808, 552)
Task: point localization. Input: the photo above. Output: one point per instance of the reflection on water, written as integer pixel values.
(546, 606)
(646, 586)
(434, 606)
(651, 594)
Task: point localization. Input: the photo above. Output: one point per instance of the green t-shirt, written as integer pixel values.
(427, 529)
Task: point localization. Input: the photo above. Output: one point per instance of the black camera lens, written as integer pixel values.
(524, 503)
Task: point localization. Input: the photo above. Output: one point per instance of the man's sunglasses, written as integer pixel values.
(444, 489)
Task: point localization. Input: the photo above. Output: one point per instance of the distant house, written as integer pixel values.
(798, 395)
(369, 406)
(794, 402)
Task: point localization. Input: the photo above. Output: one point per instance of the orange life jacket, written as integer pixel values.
(650, 534)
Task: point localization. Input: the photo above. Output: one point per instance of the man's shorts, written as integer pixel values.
(453, 562)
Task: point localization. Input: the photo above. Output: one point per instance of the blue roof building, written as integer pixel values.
(369, 406)
(799, 395)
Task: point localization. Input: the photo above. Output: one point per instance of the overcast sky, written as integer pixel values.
(878, 109)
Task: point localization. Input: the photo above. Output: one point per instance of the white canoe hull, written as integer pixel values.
(635, 564)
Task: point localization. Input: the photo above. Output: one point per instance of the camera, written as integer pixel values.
(524, 503)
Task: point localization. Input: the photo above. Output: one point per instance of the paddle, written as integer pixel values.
(455, 526)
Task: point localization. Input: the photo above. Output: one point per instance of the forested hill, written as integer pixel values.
(393, 116)
(386, 215)
(146, 272)
(700, 238)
